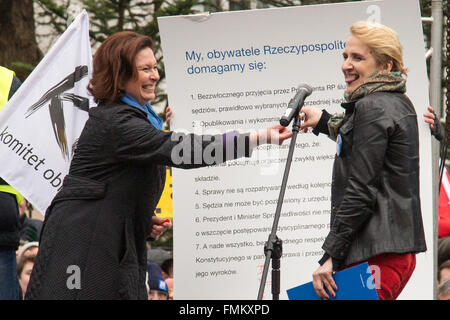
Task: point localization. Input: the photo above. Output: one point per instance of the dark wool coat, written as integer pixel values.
(96, 226)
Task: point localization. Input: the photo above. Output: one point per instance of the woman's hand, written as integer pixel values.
(168, 115)
(272, 135)
(160, 226)
(435, 126)
(310, 117)
(429, 117)
(323, 278)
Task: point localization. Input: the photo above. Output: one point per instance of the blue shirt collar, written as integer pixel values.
(154, 119)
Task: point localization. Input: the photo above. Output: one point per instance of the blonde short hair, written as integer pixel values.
(383, 41)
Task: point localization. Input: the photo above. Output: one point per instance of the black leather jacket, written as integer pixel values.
(375, 189)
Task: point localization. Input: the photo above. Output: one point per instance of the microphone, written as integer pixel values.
(303, 90)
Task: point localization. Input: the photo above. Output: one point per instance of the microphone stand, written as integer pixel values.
(273, 247)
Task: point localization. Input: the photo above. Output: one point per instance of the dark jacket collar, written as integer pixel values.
(349, 106)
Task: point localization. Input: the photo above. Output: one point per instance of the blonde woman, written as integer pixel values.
(376, 215)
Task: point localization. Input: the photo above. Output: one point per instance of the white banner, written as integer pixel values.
(42, 121)
(238, 70)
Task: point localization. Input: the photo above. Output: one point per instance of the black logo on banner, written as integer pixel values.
(56, 95)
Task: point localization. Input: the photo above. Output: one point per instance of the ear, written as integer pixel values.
(388, 66)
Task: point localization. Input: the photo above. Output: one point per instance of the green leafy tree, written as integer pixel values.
(18, 47)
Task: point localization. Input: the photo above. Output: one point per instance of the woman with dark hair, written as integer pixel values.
(376, 214)
(93, 243)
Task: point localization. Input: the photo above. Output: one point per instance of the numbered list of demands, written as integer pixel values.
(231, 232)
(233, 217)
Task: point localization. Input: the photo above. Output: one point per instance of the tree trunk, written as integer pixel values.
(18, 46)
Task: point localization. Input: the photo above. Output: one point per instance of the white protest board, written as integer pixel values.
(42, 121)
(238, 71)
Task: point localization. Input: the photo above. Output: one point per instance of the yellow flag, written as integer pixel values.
(164, 208)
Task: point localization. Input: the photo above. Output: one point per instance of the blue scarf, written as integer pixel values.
(147, 108)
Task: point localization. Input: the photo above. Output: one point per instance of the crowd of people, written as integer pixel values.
(159, 279)
(122, 153)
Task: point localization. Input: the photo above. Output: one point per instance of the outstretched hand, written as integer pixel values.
(310, 117)
(275, 134)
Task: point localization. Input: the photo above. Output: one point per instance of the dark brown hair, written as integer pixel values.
(114, 64)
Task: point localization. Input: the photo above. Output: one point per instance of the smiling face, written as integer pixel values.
(143, 89)
(358, 64)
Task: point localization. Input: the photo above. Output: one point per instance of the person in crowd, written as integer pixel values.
(9, 212)
(169, 282)
(376, 215)
(97, 225)
(443, 249)
(167, 273)
(30, 229)
(26, 254)
(24, 268)
(157, 254)
(167, 268)
(444, 290)
(157, 286)
(28, 249)
(443, 271)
